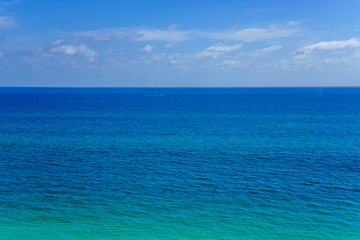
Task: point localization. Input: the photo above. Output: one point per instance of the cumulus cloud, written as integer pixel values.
(6, 22)
(331, 45)
(218, 50)
(147, 49)
(75, 49)
(266, 50)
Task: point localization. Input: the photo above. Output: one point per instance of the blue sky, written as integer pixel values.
(179, 43)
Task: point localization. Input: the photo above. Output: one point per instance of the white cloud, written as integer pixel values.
(173, 35)
(75, 49)
(331, 45)
(160, 57)
(57, 42)
(35, 50)
(224, 48)
(271, 48)
(147, 49)
(232, 64)
(162, 35)
(6, 22)
(172, 44)
(9, 2)
(218, 50)
(293, 23)
(110, 35)
(140, 34)
(250, 34)
(266, 50)
(172, 27)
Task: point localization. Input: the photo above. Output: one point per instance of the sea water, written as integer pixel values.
(180, 163)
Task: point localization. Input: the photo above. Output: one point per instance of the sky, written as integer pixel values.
(169, 43)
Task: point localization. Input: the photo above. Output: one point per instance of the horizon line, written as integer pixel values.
(182, 87)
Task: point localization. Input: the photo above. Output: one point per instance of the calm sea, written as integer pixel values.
(180, 163)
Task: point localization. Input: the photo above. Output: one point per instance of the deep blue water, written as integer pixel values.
(180, 163)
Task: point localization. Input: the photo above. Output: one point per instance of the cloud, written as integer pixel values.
(34, 50)
(293, 23)
(331, 45)
(57, 42)
(271, 48)
(110, 35)
(75, 50)
(172, 44)
(163, 35)
(266, 50)
(250, 34)
(6, 22)
(140, 34)
(147, 49)
(9, 2)
(172, 27)
(232, 64)
(218, 50)
(173, 35)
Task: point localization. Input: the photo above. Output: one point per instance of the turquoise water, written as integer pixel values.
(196, 163)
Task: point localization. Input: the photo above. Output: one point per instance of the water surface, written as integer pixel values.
(180, 163)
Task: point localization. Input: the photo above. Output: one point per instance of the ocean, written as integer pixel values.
(180, 163)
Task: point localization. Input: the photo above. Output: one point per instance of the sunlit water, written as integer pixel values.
(180, 163)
